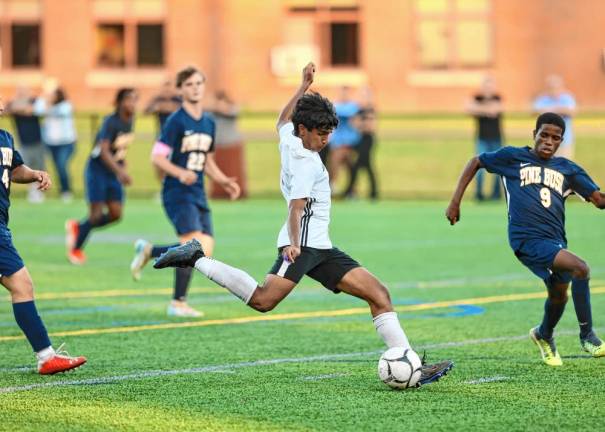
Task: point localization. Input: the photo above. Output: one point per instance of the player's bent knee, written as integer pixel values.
(582, 271)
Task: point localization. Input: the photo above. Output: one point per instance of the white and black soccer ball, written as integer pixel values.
(400, 368)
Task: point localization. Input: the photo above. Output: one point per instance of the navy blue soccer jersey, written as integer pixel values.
(536, 191)
(119, 134)
(11, 159)
(190, 140)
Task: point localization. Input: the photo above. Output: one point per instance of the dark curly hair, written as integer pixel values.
(314, 111)
(550, 118)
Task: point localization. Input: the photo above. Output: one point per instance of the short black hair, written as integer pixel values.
(314, 111)
(60, 95)
(122, 94)
(184, 74)
(552, 119)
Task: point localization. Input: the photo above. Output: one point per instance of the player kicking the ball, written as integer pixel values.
(537, 185)
(304, 244)
(13, 273)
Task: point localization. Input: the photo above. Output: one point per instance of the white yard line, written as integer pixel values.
(226, 368)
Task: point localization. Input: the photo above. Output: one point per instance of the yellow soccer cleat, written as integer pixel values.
(548, 349)
(593, 345)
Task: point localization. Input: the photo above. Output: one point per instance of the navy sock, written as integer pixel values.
(156, 251)
(552, 314)
(31, 324)
(581, 301)
(182, 277)
(86, 227)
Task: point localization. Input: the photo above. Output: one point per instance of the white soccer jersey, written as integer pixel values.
(303, 175)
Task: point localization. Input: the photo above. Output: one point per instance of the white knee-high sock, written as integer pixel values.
(388, 327)
(240, 283)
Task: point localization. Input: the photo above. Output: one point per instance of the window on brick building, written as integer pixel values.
(150, 44)
(332, 26)
(110, 50)
(25, 45)
(453, 33)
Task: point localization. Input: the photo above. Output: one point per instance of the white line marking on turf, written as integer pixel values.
(323, 377)
(231, 366)
(484, 380)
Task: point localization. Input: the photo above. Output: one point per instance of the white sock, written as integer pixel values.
(240, 283)
(45, 354)
(388, 327)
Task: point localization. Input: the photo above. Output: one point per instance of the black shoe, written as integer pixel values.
(433, 372)
(181, 256)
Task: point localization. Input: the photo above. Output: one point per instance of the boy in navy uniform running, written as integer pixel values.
(537, 184)
(184, 153)
(304, 246)
(105, 175)
(13, 273)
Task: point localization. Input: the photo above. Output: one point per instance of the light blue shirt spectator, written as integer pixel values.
(549, 102)
(58, 124)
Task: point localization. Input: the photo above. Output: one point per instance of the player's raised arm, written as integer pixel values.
(453, 211)
(307, 79)
(598, 199)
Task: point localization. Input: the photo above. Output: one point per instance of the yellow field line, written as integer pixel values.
(299, 315)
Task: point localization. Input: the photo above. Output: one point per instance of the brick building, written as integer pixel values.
(417, 55)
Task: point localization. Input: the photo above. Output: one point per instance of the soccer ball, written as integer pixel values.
(399, 368)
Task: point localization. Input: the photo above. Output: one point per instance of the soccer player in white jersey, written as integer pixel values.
(304, 246)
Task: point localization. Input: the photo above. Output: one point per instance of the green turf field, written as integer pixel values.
(311, 363)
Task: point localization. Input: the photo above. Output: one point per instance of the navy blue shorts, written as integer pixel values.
(187, 217)
(101, 184)
(539, 256)
(10, 261)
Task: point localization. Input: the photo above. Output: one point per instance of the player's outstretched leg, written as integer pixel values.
(191, 254)
(26, 315)
(361, 283)
(143, 252)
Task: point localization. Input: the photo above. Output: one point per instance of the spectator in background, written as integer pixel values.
(27, 125)
(58, 134)
(486, 107)
(229, 143)
(559, 100)
(365, 122)
(345, 136)
(164, 103)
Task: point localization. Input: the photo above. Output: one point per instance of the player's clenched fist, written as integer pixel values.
(308, 74)
(453, 213)
(43, 179)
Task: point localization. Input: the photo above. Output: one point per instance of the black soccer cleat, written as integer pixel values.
(182, 256)
(433, 372)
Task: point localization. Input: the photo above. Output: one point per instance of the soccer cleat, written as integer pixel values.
(61, 361)
(593, 345)
(182, 309)
(547, 347)
(72, 229)
(433, 372)
(76, 256)
(142, 255)
(183, 256)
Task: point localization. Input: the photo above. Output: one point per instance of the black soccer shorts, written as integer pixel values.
(326, 266)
